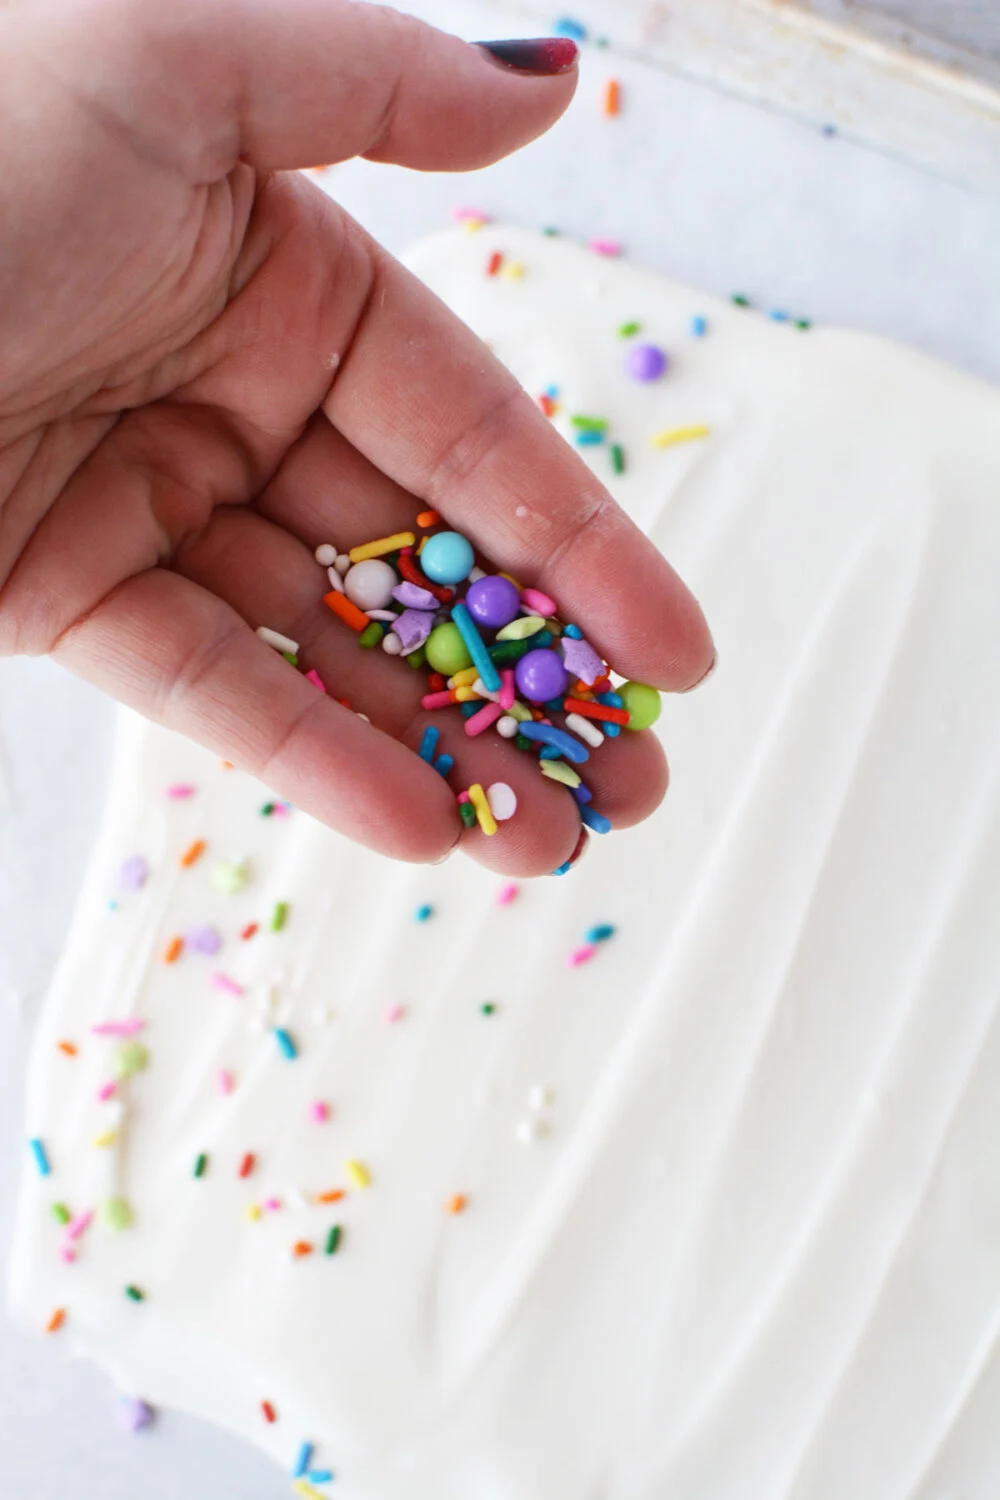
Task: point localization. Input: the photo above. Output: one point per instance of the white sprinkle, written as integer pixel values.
(277, 640)
(336, 582)
(297, 1198)
(530, 1131)
(539, 1098)
(322, 1015)
(585, 728)
(325, 554)
(480, 687)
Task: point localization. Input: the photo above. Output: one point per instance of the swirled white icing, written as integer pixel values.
(732, 1218)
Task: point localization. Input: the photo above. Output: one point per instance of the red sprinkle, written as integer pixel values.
(247, 1164)
(588, 710)
(270, 1415)
(412, 574)
(494, 263)
(249, 930)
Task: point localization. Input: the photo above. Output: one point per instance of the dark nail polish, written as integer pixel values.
(536, 55)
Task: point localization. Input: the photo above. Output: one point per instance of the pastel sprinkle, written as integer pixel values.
(192, 853)
(105, 1139)
(508, 893)
(307, 1491)
(395, 1013)
(224, 1081)
(173, 950)
(457, 1203)
(247, 932)
(56, 1321)
(313, 676)
(605, 247)
(303, 1461)
(230, 877)
(134, 1294)
(333, 1240)
(61, 1214)
(669, 437)
(699, 326)
(423, 913)
(79, 1224)
(319, 1112)
(133, 874)
(600, 933)
(568, 26)
(40, 1154)
(228, 985)
(270, 1415)
(117, 1214)
(286, 1043)
(358, 1173)
(179, 791)
(203, 940)
(129, 1027)
(69, 1049)
(247, 1164)
(107, 1090)
(279, 916)
(200, 1165)
(612, 97)
(319, 1476)
(134, 1415)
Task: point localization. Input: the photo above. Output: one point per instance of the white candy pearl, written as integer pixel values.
(343, 564)
(391, 644)
(502, 799)
(506, 727)
(369, 584)
(476, 574)
(326, 554)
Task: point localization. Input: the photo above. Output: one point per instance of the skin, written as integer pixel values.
(207, 368)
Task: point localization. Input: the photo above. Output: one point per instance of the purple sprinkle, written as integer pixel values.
(413, 627)
(133, 874)
(414, 597)
(582, 661)
(203, 939)
(133, 1414)
(645, 362)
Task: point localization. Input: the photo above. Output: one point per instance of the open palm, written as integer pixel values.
(207, 368)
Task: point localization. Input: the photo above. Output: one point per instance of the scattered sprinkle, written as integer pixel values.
(270, 1415)
(307, 1491)
(56, 1321)
(105, 1139)
(200, 1165)
(332, 1195)
(699, 326)
(134, 1294)
(395, 1013)
(628, 330)
(179, 791)
(457, 1203)
(131, 1026)
(301, 1249)
(668, 437)
(117, 1214)
(600, 933)
(488, 1008)
(279, 916)
(134, 1415)
(193, 853)
(358, 1173)
(173, 950)
(224, 1081)
(581, 956)
(227, 984)
(133, 874)
(303, 1461)
(423, 913)
(313, 676)
(612, 100)
(609, 248)
(68, 1048)
(739, 300)
(333, 1240)
(230, 877)
(283, 643)
(508, 893)
(568, 26)
(285, 1043)
(130, 1058)
(61, 1214)
(40, 1154)
(319, 1112)
(617, 459)
(203, 940)
(247, 1164)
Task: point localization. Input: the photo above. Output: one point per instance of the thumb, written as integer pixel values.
(287, 83)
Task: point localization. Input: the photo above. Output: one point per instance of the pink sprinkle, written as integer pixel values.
(106, 1091)
(462, 797)
(313, 676)
(604, 247)
(581, 956)
(483, 718)
(436, 700)
(119, 1028)
(538, 603)
(280, 809)
(507, 690)
(224, 1081)
(272, 1205)
(79, 1225)
(508, 893)
(320, 1112)
(179, 791)
(67, 1255)
(395, 1013)
(462, 213)
(223, 982)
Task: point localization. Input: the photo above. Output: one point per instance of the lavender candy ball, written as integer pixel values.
(493, 601)
(540, 675)
(645, 362)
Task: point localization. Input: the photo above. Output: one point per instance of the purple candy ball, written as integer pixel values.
(493, 601)
(540, 675)
(645, 362)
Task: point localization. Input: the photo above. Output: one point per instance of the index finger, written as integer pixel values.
(427, 402)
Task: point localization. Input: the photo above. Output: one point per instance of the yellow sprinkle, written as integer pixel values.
(485, 818)
(558, 770)
(473, 226)
(465, 678)
(106, 1138)
(302, 1487)
(511, 579)
(253, 1212)
(519, 712)
(466, 695)
(358, 1173)
(513, 271)
(381, 546)
(671, 435)
(518, 629)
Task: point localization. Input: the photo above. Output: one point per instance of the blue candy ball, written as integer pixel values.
(447, 557)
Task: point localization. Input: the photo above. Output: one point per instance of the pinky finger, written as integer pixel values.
(185, 659)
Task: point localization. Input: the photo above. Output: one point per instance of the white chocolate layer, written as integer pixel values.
(733, 1209)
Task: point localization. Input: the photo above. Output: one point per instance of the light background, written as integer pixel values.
(710, 190)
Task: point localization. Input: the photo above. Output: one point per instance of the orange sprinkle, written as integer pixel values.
(227, 765)
(348, 612)
(249, 930)
(457, 1203)
(270, 1415)
(548, 405)
(334, 1195)
(68, 1047)
(494, 263)
(56, 1321)
(612, 97)
(247, 1164)
(172, 951)
(193, 853)
(428, 518)
(301, 1249)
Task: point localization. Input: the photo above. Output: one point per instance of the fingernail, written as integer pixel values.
(536, 55)
(705, 675)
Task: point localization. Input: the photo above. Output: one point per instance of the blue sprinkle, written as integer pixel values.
(699, 326)
(428, 744)
(828, 130)
(574, 632)
(41, 1158)
(284, 1041)
(112, 906)
(319, 1476)
(554, 706)
(611, 700)
(582, 793)
(563, 869)
(590, 437)
(468, 709)
(476, 647)
(550, 752)
(595, 820)
(423, 913)
(567, 26)
(444, 764)
(303, 1461)
(778, 315)
(600, 933)
(552, 392)
(571, 747)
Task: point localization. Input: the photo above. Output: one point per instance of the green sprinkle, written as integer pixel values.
(739, 300)
(231, 877)
(333, 1239)
(617, 459)
(130, 1057)
(488, 1008)
(371, 635)
(627, 330)
(417, 658)
(589, 424)
(550, 229)
(467, 812)
(134, 1295)
(267, 809)
(60, 1213)
(279, 916)
(200, 1165)
(803, 323)
(523, 743)
(116, 1213)
(290, 657)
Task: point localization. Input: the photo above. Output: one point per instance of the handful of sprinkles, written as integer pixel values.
(495, 650)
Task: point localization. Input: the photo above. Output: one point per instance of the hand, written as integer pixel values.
(207, 368)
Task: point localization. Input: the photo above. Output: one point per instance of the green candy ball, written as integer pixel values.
(129, 1059)
(641, 703)
(446, 652)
